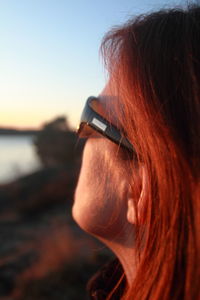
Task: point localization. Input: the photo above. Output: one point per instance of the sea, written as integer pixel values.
(17, 157)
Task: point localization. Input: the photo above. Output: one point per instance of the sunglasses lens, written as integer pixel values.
(94, 104)
(87, 116)
(84, 130)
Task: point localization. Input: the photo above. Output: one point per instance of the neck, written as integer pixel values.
(126, 254)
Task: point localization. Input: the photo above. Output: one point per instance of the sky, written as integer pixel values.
(49, 55)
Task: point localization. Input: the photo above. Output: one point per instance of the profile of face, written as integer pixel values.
(103, 204)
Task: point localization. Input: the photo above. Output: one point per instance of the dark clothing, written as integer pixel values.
(105, 280)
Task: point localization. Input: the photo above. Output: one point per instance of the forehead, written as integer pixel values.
(109, 93)
(107, 101)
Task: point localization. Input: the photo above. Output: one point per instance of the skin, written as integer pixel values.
(104, 200)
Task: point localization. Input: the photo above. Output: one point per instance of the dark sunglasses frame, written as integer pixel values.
(101, 125)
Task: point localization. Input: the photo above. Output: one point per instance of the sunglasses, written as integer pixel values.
(90, 118)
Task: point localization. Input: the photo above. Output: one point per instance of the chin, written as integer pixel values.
(78, 214)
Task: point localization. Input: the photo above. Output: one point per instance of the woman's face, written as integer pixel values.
(100, 205)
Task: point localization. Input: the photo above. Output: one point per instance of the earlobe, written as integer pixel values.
(140, 203)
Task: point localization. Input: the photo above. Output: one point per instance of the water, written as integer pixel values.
(17, 157)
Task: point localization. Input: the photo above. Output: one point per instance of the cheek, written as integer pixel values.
(100, 197)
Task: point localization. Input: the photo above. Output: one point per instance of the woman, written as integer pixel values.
(139, 188)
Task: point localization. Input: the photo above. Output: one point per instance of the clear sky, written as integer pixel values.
(49, 54)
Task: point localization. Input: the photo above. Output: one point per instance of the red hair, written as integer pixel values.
(155, 62)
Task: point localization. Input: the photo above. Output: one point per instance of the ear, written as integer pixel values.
(139, 200)
(131, 211)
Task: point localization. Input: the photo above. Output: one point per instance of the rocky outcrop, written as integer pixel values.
(43, 253)
(56, 144)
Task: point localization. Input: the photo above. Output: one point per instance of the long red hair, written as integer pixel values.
(155, 61)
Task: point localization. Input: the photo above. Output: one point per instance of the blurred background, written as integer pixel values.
(49, 65)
